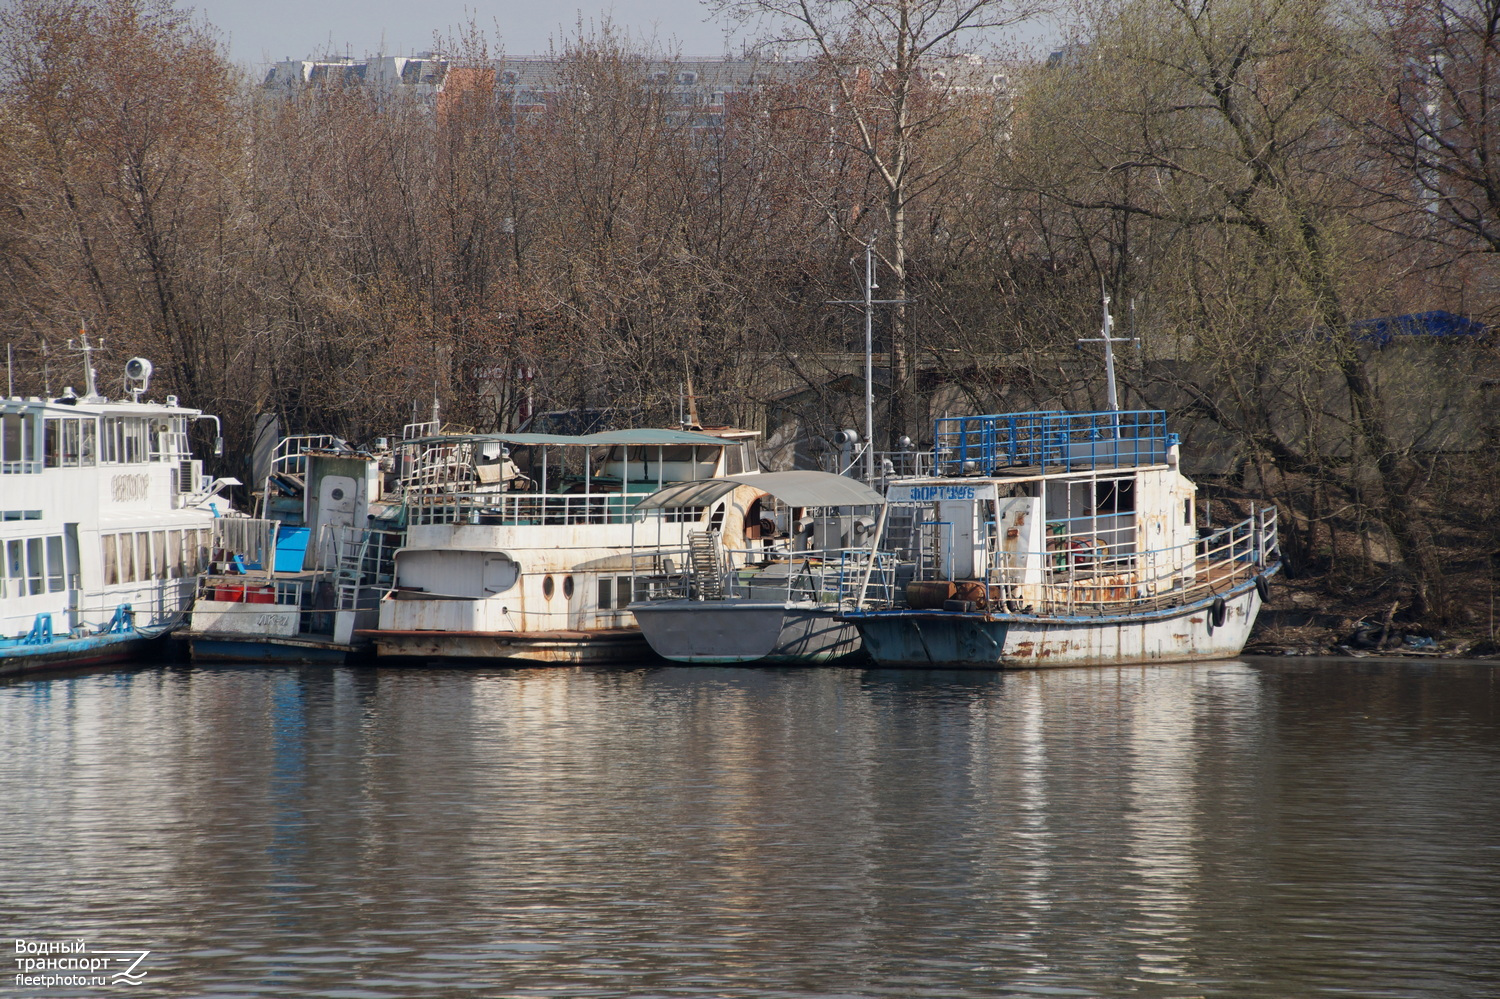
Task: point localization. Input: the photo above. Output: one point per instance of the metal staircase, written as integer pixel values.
(704, 566)
(363, 563)
(348, 574)
(901, 531)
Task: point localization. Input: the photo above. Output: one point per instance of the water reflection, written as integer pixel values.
(1230, 829)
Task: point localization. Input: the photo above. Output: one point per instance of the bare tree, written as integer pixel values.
(884, 91)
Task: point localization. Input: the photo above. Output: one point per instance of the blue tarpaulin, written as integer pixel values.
(1435, 323)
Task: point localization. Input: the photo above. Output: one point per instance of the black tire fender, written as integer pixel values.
(1263, 587)
(1217, 612)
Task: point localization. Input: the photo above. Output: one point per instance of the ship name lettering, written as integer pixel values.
(130, 488)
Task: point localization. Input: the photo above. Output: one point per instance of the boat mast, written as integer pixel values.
(1107, 338)
(869, 362)
(91, 390)
(868, 303)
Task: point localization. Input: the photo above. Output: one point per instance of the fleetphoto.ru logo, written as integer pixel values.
(57, 964)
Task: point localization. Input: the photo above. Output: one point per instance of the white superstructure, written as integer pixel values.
(529, 546)
(102, 507)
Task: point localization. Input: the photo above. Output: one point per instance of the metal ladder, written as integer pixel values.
(704, 566)
(349, 573)
(900, 530)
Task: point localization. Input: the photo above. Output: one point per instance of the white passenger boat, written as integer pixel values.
(1060, 539)
(778, 599)
(105, 520)
(529, 546)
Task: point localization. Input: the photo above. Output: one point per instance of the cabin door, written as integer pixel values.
(74, 578)
(956, 520)
(338, 497)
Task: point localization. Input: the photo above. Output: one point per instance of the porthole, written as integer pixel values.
(568, 587)
(547, 587)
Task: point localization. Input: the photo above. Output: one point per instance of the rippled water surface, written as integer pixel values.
(1276, 828)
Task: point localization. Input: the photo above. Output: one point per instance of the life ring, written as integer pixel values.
(1263, 587)
(1217, 612)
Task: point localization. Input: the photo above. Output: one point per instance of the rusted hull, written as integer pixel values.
(920, 639)
(301, 649)
(617, 645)
(742, 631)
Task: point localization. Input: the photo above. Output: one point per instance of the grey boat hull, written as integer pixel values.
(745, 631)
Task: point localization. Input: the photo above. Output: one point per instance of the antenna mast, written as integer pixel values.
(1107, 338)
(869, 302)
(91, 390)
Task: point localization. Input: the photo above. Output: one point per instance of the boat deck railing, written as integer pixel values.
(152, 601)
(827, 577)
(311, 595)
(461, 506)
(437, 469)
(291, 452)
(979, 445)
(1093, 578)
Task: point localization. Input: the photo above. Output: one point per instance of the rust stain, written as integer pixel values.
(1024, 648)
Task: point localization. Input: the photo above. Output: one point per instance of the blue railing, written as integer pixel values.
(980, 444)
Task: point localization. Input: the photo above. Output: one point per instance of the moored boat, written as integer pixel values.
(299, 582)
(529, 547)
(777, 600)
(105, 520)
(1060, 539)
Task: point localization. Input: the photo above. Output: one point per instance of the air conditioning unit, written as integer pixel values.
(190, 477)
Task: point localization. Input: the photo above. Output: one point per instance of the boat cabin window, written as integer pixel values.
(18, 444)
(68, 442)
(33, 566)
(1114, 496)
(139, 556)
(124, 440)
(683, 514)
(615, 593)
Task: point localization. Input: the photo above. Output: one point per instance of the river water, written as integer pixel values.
(1256, 828)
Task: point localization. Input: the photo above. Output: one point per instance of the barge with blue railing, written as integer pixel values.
(1059, 539)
